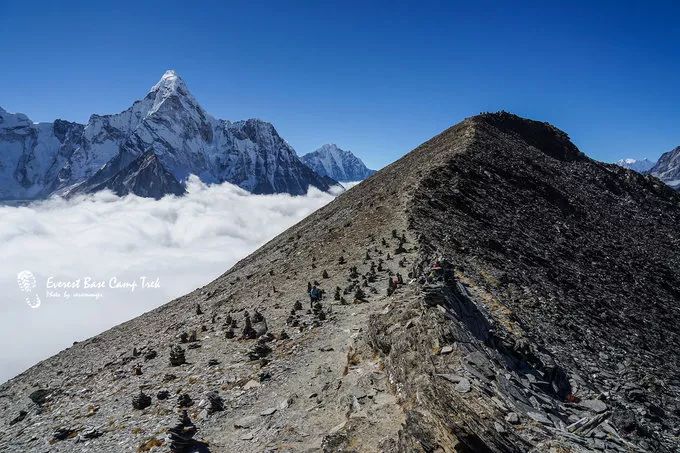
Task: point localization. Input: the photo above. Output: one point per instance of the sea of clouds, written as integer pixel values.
(99, 260)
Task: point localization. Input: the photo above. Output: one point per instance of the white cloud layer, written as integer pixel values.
(183, 242)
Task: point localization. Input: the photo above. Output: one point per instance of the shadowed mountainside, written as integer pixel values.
(549, 323)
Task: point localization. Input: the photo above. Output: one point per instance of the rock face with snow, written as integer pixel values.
(667, 168)
(32, 155)
(145, 176)
(638, 165)
(37, 160)
(336, 163)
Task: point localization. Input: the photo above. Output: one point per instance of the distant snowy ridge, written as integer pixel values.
(336, 163)
(639, 165)
(37, 160)
(667, 168)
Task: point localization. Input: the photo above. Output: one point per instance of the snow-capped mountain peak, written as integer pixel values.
(172, 89)
(13, 120)
(42, 159)
(332, 161)
(169, 82)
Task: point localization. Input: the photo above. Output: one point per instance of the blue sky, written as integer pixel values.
(378, 79)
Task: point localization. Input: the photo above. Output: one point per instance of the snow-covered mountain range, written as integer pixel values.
(173, 133)
(667, 168)
(639, 165)
(336, 163)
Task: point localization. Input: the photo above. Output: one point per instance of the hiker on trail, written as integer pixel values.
(314, 295)
(391, 285)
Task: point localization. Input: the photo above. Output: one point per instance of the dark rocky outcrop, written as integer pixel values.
(145, 176)
(576, 272)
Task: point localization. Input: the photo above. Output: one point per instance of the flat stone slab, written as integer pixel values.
(596, 406)
(246, 422)
(463, 386)
(540, 418)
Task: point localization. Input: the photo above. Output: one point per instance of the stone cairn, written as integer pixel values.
(259, 351)
(184, 400)
(216, 402)
(257, 316)
(400, 248)
(182, 436)
(177, 357)
(318, 312)
(248, 331)
(141, 401)
(353, 272)
(163, 394)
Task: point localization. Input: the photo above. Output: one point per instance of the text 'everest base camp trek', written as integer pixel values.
(152, 148)
(494, 290)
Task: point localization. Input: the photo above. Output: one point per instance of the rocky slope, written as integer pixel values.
(667, 168)
(336, 163)
(41, 159)
(538, 312)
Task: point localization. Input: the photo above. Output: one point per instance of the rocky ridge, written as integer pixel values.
(490, 291)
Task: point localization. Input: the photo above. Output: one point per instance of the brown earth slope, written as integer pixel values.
(553, 326)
